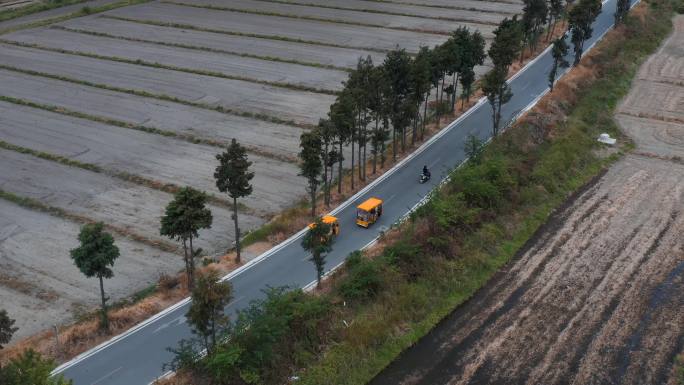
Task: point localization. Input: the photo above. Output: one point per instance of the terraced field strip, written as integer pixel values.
(299, 53)
(36, 251)
(61, 14)
(273, 27)
(290, 76)
(509, 7)
(79, 195)
(246, 99)
(339, 16)
(153, 157)
(661, 101)
(275, 141)
(444, 14)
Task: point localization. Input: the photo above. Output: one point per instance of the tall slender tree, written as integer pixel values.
(535, 14)
(94, 257)
(421, 73)
(503, 52)
(474, 55)
(498, 93)
(232, 175)
(397, 67)
(556, 10)
(378, 109)
(580, 20)
(206, 314)
(183, 218)
(342, 118)
(318, 242)
(311, 165)
(559, 51)
(328, 135)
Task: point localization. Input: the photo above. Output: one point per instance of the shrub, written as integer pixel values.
(364, 279)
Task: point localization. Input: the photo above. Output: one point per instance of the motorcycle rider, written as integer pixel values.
(426, 172)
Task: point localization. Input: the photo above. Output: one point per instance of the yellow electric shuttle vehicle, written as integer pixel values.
(368, 212)
(329, 220)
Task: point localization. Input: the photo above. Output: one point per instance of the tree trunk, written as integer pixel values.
(352, 161)
(313, 202)
(186, 259)
(394, 144)
(191, 263)
(339, 171)
(105, 320)
(237, 231)
(422, 132)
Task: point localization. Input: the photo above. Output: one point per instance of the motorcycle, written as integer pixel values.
(424, 178)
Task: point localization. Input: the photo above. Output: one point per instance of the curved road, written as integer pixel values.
(136, 357)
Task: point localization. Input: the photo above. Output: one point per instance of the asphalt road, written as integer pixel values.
(137, 358)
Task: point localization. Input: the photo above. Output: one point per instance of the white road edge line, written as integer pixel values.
(341, 207)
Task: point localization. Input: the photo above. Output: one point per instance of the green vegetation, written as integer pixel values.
(7, 328)
(448, 249)
(94, 257)
(145, 63)
(30, 368)
(183, 218)
(580, 20)
(235, 33)
(318, 241)
(300, 17)
(205, 315)
(138, 92)
(201, 48)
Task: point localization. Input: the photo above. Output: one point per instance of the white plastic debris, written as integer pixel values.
(605, 138)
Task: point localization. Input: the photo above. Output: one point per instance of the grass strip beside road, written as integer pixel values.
(168, 98)
(235, 33)
(144, 63)
(553, 171)
(202, 48)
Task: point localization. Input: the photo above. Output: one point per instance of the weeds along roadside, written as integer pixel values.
(420, 272)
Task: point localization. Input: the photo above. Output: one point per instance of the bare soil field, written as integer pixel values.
(418, 24)
(327, 33)
(126, 206)
(155, 157)
(41, 280)
(269, 139)
(284, 50)
(192, 60)
(477, 11)
(597, 296)
(304, 107)
(150, 101)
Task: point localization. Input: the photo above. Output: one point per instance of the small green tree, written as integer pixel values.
(184, 216)
(318, 242)
(206, 313)
(535, 14)
(232, 175)
(508, 37)
(7, 328)
(30, 369)
(474, 54)
(621, 11)
(94, 257)
(311, 165)
(474, 148)
(400, 105)
(559, 51)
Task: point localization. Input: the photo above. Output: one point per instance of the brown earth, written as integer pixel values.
(597, 296)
